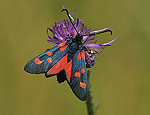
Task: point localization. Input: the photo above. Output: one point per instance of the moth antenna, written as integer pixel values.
(93, 34)
(100, 32)
(70, 19)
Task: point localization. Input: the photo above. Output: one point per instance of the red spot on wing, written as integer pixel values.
(68, 70)
(49, 59)
(79, 56)
(82, 70)
(83, 85)
(60, 65)
(63, 48)
(77, 74)
(49, 53)
(62, 44)
(83, 55)
(38, 61)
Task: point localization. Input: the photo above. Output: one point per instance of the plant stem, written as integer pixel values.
(91, 108)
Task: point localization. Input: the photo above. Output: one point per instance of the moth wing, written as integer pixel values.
(78, 81)
(46, 60)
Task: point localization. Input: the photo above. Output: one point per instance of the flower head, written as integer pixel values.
(64, 30)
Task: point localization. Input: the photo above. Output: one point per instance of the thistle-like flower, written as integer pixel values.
(63, 31)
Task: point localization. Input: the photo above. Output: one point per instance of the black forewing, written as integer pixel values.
(57, 54)
(76, 82)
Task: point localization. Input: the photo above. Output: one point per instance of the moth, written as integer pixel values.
(67, 61)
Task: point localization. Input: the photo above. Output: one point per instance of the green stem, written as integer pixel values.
(91, 108)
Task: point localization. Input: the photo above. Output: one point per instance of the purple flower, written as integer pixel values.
(64, 30)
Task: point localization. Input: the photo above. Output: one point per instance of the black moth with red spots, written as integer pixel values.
(67, 60)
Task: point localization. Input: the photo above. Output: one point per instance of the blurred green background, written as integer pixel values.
(120, 81)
